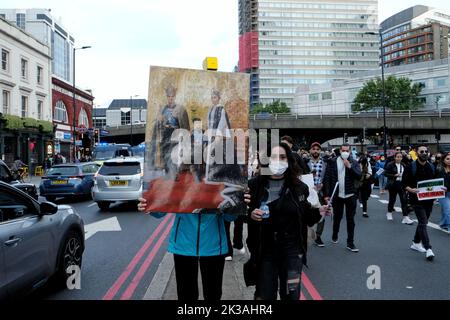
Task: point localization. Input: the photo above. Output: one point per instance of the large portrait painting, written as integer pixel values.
(196, 141)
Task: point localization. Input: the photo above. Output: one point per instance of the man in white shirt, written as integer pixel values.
(345, 171)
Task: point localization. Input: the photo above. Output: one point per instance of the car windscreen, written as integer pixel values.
(104, 154)
(120, 168)
(63, 171)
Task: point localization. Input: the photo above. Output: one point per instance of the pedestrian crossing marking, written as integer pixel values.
(384, 201)
(374, 196)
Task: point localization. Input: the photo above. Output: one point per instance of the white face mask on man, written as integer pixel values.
(278, 168)
(345, 155)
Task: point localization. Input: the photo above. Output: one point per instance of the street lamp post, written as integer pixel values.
(131, 118)
(74, 150)
(383, 92)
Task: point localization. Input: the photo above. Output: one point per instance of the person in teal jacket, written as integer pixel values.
(198, 239)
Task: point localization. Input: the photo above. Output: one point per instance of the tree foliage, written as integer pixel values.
(400, 94)
(275, 107)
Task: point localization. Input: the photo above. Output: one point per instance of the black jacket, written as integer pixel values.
(391, 170)
(352, 175)
(440, 173)
(290, 215)
(423, 172)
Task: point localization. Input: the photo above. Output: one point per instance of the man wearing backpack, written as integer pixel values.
(420, 170)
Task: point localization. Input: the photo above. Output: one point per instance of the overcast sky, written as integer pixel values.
(129, 36)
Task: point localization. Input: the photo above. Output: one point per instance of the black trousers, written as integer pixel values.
(423, 212)
(186, 273)
(397, 189)
(237, 235)
(282, 263)
(364, 194)
(350, 211)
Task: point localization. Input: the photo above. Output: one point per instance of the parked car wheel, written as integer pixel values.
(71, 255)
(50, 198)
(104, 206)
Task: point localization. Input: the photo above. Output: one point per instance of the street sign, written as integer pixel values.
(78, 143)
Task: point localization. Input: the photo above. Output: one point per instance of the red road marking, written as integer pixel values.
(302, 296)
(144, 267)
(310, 287)
(124, 276)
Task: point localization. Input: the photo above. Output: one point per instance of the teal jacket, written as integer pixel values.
(199, 234)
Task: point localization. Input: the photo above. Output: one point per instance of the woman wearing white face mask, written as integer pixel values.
(277, 229)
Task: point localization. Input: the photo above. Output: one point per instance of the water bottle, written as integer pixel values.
(264, 207)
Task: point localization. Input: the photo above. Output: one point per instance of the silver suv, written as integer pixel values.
(119, 179)
(38, 241)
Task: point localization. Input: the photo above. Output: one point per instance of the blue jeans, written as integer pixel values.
(382, 180)
(445, 207)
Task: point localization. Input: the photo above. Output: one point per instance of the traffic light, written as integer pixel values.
(96, 135)
(345, 138)
(437, 136)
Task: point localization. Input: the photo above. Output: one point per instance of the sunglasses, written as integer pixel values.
(398, 149)
(423, 151)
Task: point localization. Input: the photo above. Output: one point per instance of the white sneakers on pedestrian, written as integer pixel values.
(407, 220)
(419, 247)
(389, 216)
(229, 258)
(430, 255)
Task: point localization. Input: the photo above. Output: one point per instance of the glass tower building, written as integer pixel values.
(286, 43)
(41, 25)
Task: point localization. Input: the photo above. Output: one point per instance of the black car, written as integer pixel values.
(7, 176)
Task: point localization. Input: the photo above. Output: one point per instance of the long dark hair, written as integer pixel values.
(293, 171)
(442, 164)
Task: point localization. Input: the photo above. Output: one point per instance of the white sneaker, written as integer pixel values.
(229, 258)
(407, 220)
(361, 205)
(418, 247)
(389, 216)
(430, 255)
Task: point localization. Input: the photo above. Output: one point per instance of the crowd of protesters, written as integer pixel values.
(279, 213)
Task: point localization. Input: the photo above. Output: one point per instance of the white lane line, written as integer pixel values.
(92, 204)
(397, 209)
(111, 224)
(432, 225)
(384, 201)
(374, 196)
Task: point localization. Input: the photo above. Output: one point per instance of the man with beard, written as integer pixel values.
(317, 166)
(420, 170)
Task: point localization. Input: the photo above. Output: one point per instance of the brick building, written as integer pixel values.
(63, 119)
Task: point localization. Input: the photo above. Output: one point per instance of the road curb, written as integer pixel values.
(160, 281)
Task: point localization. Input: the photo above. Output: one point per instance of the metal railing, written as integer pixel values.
(377, 115)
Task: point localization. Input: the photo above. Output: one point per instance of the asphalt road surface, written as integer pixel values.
(124, 249)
